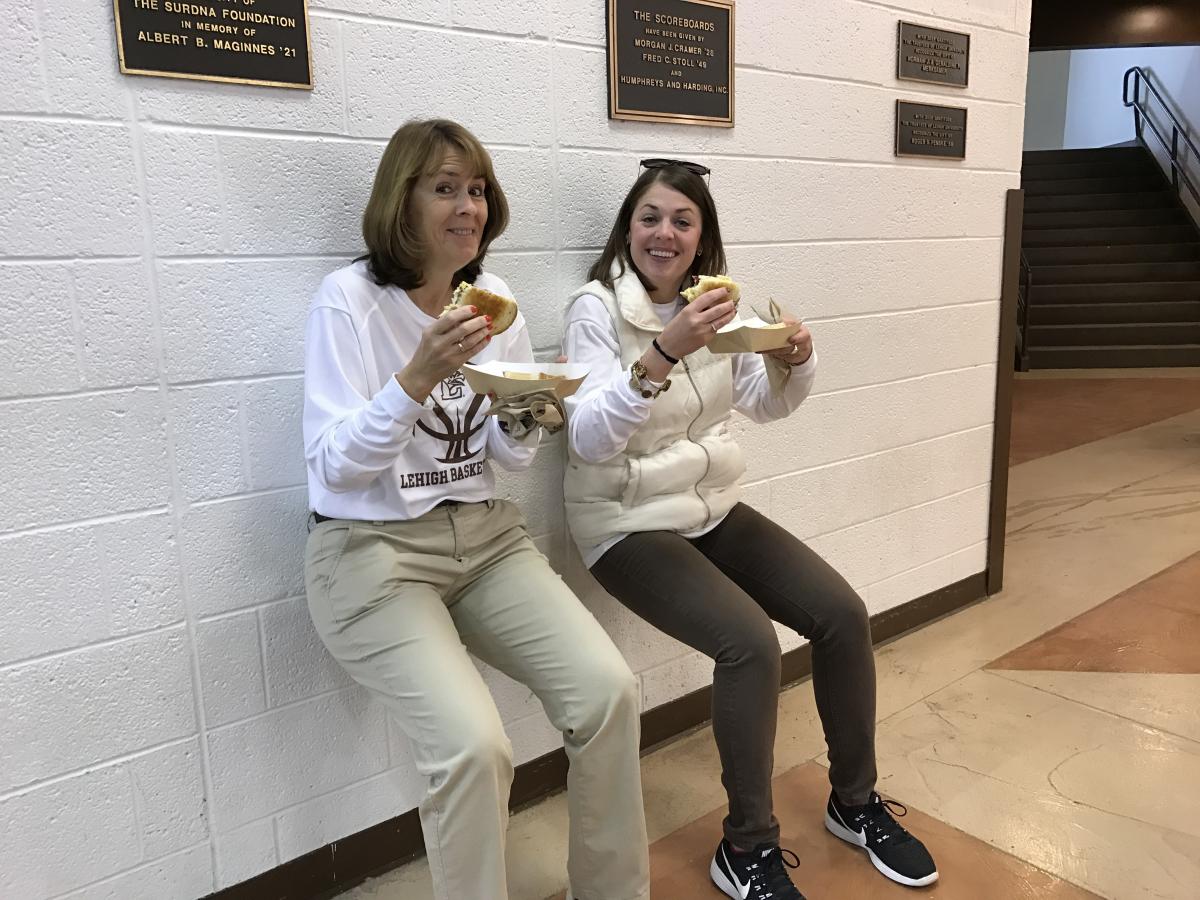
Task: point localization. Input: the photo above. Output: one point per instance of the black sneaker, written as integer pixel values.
(758, 875)
(895, 852)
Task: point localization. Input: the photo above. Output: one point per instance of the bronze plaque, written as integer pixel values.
(671, 61)
(932, 55)
(244, 41)
(923, 129)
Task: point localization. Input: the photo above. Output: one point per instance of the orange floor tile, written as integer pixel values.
(832, 870)
(1051, 415)
(1152, 627)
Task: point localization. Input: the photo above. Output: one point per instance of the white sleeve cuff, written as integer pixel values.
(808, 366)
(395, 401)
(634, 396)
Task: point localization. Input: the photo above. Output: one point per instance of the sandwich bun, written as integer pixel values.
(706, 283)
(503, 310)
(534, 376)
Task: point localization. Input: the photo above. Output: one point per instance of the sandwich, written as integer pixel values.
(503, 310)
(534, 376)
(706, 283)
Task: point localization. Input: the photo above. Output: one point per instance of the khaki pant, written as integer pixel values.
(399, 604)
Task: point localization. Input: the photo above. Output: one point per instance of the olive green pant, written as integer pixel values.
(399, 604)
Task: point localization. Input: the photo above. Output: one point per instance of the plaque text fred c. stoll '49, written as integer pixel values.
(264, 42)
(671, 61)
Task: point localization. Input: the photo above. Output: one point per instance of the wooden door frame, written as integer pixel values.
(1002, 423)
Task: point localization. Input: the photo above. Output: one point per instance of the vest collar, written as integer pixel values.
(633, 301)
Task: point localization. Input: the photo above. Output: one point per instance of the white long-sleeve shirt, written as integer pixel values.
(373, 452)
(606, 411)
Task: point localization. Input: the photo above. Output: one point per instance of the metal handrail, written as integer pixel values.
(1141, 116)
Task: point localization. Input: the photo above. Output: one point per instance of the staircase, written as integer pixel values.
(1113, 263)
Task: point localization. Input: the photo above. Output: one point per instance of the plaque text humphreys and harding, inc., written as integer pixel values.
(671, 61)
(246, 41)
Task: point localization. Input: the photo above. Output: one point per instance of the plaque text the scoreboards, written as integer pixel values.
(245, 41)
(671, 61)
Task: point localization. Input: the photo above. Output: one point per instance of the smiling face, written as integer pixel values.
(452, 208)
(664, 233)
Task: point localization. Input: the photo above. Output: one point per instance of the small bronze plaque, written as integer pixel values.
(932, 55)
(923, 129)
(244, 41)
(671, 61)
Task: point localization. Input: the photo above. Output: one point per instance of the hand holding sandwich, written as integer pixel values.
(445, 345)
(696, 325)
(472, 318)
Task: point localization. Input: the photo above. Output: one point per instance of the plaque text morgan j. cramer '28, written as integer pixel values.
(671, 61)
(245, 41)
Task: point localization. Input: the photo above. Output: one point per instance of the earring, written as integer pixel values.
(699, 253)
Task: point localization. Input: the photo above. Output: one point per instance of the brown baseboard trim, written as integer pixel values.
(339, 866)
(893, 623)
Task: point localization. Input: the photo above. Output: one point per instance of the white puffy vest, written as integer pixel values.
(680, 470)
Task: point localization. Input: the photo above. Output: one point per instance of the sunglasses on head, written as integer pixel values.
(694, 168)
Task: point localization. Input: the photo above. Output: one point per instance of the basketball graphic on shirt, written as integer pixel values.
(455, 426)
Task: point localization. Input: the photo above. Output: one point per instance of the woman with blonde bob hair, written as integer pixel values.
(412, 561)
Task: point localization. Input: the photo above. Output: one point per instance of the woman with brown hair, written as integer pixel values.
(652, 502)
(412, 561)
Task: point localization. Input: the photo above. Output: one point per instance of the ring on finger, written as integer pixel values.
(461, 348)
(713, 326)
(795, 349)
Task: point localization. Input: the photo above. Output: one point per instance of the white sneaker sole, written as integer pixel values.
(721, 880)
(837, 829)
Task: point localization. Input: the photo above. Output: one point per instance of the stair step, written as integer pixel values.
(1100, 169)
(1123, 200)
(1058, 187)
(1088, 154)
(1092, 237)
(1115, 292)
(1111, 253)
(1106, 218)
(1117, 334)
(1114, 357)
(1096, 273)
(1113, 313)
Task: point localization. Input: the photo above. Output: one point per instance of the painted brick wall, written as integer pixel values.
(170, 724)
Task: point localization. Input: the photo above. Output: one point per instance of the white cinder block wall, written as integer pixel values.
(169, 725)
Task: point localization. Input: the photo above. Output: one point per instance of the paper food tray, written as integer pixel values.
(489, 378)
(752, 335)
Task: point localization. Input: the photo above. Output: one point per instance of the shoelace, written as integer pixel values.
(776, 862)
(878, 822)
